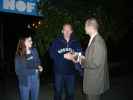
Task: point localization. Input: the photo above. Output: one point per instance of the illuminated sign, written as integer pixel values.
(27, 7)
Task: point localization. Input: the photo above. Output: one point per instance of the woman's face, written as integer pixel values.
(28, 42)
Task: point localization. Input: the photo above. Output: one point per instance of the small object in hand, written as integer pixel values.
(82, 60)
(37, 70)
(76, 57)
(79, 56)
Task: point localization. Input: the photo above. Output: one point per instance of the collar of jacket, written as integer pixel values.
(93, 40)
(72, 38)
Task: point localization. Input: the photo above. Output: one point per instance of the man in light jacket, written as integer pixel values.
(96, 77)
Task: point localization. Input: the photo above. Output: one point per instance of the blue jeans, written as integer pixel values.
(64, 82)
(31, 89)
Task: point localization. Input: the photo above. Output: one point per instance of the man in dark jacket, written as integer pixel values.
(64, 66)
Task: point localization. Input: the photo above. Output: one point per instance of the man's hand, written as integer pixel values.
(82, 60)
(74, 58)
(69, 56)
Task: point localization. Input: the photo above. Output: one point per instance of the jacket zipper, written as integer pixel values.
(67, 45)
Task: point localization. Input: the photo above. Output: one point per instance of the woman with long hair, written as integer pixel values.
(27, 67)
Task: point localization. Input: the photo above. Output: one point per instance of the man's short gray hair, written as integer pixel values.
(92, 22)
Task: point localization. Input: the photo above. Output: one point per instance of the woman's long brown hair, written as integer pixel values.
(21, 49)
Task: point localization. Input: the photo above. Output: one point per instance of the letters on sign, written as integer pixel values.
(19, 6)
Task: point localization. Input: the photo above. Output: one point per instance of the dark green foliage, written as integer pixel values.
(52, 25)
(111, 28)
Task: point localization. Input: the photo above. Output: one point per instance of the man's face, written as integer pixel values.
(89, 29)
(67, 31)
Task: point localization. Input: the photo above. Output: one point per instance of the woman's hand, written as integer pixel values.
(40, 68)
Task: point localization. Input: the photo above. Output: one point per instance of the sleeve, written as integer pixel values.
(77, 65)
(53, 51)
(98, 56)
(78, 47)
(37, 59)
(17, 66)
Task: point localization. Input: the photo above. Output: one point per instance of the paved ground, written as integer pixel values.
(121, 89)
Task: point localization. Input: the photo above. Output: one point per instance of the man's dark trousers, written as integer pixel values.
(64, 82)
